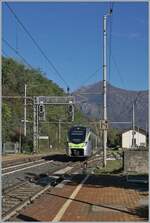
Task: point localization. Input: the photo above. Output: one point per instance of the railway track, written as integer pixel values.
(15, 174)
(20, 166)
(18, 196)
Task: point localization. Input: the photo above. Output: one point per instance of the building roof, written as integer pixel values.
(140, 130)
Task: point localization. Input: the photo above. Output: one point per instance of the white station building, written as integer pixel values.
(139, 138)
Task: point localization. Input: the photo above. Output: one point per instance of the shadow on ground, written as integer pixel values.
(142, 211)
(63, 158)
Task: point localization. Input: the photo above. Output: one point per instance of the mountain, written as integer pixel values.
(119, 104)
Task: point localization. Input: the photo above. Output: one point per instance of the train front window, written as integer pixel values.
(77, 136)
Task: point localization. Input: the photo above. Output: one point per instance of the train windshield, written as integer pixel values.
(77, 135)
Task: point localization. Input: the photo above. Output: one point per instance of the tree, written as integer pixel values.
(14, 76)
(113, 137)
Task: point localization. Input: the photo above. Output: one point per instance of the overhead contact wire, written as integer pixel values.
(37, 45)
(12, 48)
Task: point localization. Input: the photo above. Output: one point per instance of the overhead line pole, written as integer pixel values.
(59, 131)
(133, 126)
(25, 110)
(104, 88)
(104, 83)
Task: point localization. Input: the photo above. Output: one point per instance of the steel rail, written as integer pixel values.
(22, 164)
(16, 197)
(19, 196)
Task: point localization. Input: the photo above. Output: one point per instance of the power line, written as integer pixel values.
(12, 48)
(129, 108)
(118, 71)
(134, 101)
(4, 53)
(90, 76)
(110, 47)
(36, 44)
(114, 61)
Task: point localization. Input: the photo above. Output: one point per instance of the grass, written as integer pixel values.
(112, 167)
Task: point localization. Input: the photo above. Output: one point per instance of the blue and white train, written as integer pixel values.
(81, 142)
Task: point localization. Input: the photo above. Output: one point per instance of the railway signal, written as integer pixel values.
(70, 113)
(68, 90)
(41, 111)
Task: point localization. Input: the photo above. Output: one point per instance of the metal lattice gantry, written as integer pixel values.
(55, 100)
(46, 100)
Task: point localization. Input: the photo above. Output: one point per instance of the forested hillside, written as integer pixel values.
(14, 76)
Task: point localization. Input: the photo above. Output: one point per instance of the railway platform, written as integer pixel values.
(90, 198)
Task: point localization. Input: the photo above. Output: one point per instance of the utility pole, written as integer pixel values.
(104, 83)
(59, 131)
(37, 126)
(34, 125)
(20, 139)
(133, 126)
(25, 109)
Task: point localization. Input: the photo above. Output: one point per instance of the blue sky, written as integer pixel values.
(71, 36)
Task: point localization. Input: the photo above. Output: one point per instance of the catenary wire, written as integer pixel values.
(37, 45)
(12, 48)
(4, 53)
(115, 63)
(118, 70)
(90, 76)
